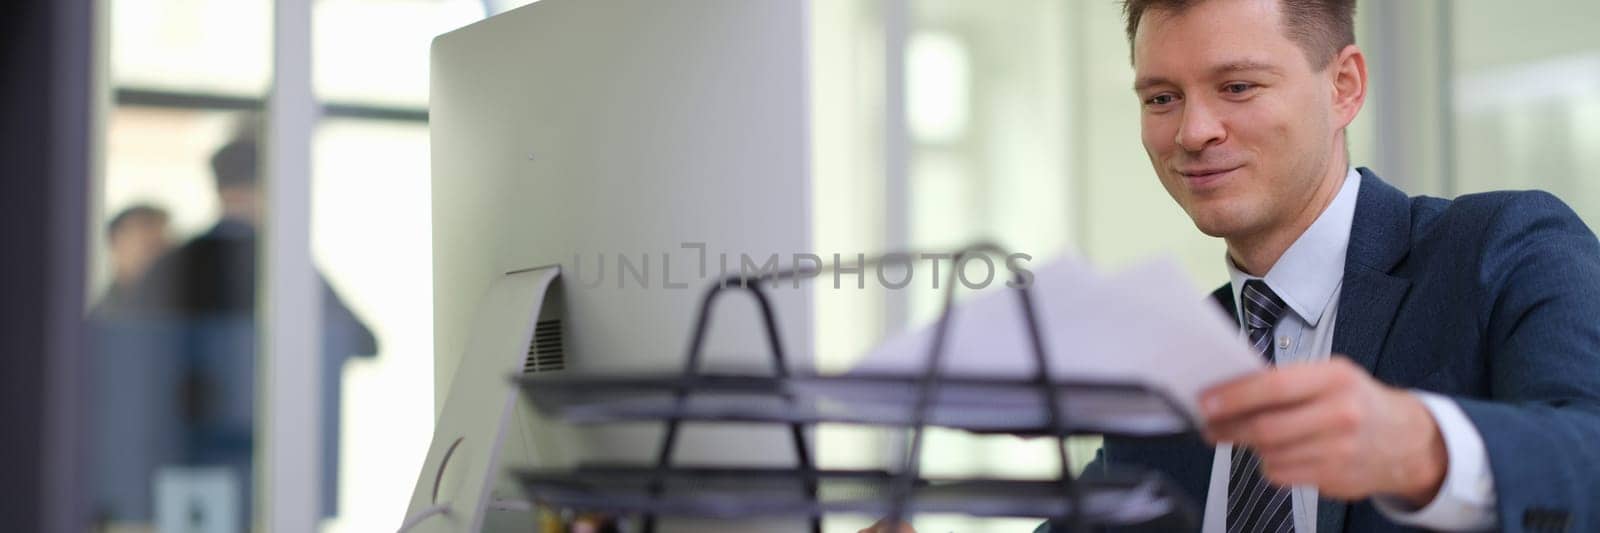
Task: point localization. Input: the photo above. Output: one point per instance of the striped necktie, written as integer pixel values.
(1255, 506)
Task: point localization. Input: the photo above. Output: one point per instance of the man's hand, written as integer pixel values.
(1330, 425)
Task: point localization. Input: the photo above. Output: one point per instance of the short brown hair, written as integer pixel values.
(134, 213)
(1321, 27)
(234, 164)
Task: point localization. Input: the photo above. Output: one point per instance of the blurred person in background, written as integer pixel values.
(135, 237)
(208, 287)
(214, 272)
(132, 375)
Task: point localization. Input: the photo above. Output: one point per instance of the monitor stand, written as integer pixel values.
(481, 425)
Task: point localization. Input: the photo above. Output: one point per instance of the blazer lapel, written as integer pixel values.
(1367, 306)
(1370, 295)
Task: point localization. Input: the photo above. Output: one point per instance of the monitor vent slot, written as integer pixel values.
(546, 352)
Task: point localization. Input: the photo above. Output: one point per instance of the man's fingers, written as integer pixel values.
(1283, 385)
(1287, 426)
(1313, 465)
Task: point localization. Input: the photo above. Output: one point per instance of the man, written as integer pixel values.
(1463, 387)
(135, 237)
(1438, 362)
(209, 285)
(128, 374)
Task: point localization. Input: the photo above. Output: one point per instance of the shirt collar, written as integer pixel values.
(1310, 271)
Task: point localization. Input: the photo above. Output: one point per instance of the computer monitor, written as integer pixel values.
(644, 147)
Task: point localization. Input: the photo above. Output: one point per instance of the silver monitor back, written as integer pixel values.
(592, 133)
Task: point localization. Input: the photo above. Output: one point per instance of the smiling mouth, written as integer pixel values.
(1207, 173)
(1206, 177)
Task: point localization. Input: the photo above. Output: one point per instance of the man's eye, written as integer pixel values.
(1237, 88)
(1160, 99)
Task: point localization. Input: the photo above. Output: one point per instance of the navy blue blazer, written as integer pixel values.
(1492, 299)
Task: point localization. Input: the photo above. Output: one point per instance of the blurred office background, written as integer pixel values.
(935, 123)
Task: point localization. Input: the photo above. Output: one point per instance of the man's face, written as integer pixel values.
(1237, 124)
(136, 245)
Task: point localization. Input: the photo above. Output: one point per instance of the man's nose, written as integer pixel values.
(1200, 128)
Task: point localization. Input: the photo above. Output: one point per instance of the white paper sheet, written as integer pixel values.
(1145, 324)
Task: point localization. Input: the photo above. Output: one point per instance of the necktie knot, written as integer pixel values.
(1262, 307)
(1262, 311)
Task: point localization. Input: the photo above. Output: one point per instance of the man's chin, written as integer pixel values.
(1219, 225)
(1212, 231)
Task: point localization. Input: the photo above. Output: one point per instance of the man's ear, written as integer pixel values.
(1349, 70)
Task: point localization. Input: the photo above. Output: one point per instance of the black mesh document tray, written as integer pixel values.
(979, 405)
(734, 493)
(1036, 406)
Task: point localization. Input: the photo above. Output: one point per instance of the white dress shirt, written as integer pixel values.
(1308, 277)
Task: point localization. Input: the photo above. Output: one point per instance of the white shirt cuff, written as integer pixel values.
(1466, 498)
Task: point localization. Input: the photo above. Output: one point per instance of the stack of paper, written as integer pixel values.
(1147, 324)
